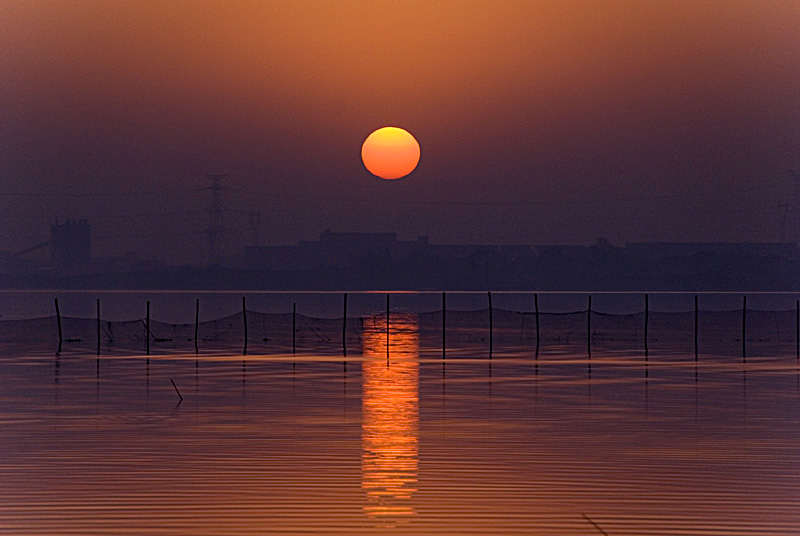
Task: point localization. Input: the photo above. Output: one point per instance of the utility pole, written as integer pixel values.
(216, 227)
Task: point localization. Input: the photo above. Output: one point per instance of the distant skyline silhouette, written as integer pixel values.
(540, 122)
(384, 261)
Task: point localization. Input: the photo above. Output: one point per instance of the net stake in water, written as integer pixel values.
(387, 328)
(196, 322)
(491, 326)
(147, 328)
(344, 325)
(244, 321)
(536, 306)
(176, 389)
(744, 326)
(595, 525)
(294, 327)
(444, 323)
(646, 320)
(58, 319)
(696, 317)
(589, 327)
(98, 326)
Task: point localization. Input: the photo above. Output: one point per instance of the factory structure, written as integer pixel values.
(70, 247)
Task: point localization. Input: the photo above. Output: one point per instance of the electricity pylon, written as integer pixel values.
(215, 232)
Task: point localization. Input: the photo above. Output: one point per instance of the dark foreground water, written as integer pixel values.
(394, 439)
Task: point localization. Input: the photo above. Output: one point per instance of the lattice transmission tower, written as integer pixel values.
(215, 232)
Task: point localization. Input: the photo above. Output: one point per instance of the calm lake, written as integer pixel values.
(393, 435)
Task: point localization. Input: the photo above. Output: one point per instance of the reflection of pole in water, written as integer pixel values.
(55, 377)
(390, 420)
(97, 387)
(147, 382)
(696, 393)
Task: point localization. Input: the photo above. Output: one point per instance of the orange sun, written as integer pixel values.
(390, 153)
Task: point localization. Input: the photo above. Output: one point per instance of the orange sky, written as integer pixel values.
(552, 101)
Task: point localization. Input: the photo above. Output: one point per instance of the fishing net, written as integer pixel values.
(772, 332)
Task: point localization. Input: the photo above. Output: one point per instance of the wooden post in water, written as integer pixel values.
(646, 320)
(589, 326)
(244, 321)
(196, 322)
(344, 325)
(797, 330)
(147, 328)
(744, 327)
(98, 326)
(294, 328)
(387, 327)
(58, 319)
(491, 326)
(696, 315)
(444, 323)
(536, 306)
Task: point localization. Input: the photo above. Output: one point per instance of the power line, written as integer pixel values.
(373, 201)
(608, 200)
(99, 194)
(116, 215)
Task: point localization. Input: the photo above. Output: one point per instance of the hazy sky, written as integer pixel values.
(539, 122)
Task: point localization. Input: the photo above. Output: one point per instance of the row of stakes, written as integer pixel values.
(148, 334)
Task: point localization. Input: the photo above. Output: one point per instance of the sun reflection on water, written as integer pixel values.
(390, 418)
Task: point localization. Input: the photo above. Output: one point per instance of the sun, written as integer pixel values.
(390, 153)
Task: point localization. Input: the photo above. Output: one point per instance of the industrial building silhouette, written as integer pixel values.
(367, 261)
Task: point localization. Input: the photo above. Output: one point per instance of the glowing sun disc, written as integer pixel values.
(390, 153)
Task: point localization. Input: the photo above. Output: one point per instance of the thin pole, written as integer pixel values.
(244, 321)
(491, 325)
(646, 319)
(387, 326)
(696, 315)
(595, 525)
(196, 321)
(147, 328)
(589, 326)
(536, 305)
(344, 325)
(294, 328)
(444, 323)
(176, 389)
(744, 326)
(797, 330)
(58, 319)
(98, 326)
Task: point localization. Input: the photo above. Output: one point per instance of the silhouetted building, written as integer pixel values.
(71, 245)
(333, 249)
(653, 251)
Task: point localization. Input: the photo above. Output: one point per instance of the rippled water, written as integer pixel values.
(392, 438)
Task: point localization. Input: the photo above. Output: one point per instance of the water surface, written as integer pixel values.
(398, 438)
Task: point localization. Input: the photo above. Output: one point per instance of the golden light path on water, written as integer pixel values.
(390, 419)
